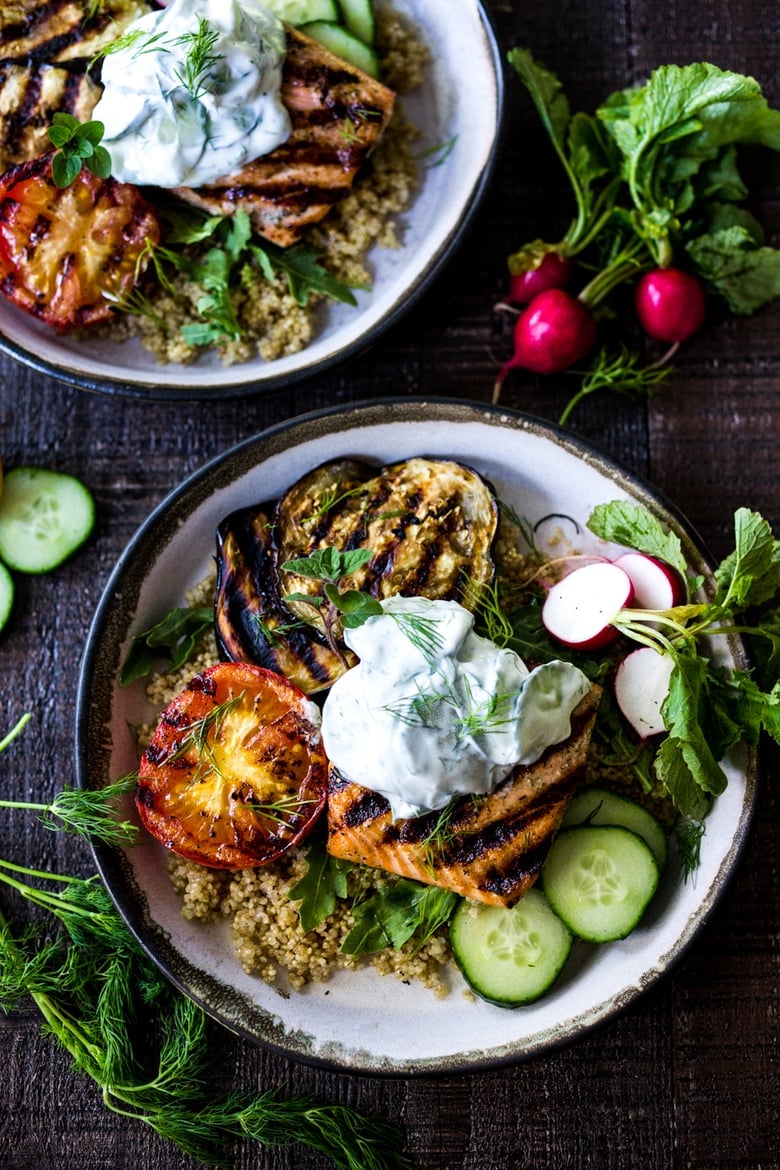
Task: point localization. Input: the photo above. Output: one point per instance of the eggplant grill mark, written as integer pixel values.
(33, 30)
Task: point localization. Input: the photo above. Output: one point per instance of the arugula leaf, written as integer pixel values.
(174, 638)
(304, 272)
(324, 882)
(631, 525)
(394, 913)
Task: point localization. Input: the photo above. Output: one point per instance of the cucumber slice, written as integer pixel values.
(44, 517)
(599, 880)
(597, 806)
(6, 595)
(510, 956)
(298, 12)
(344, 44)
(358, 16)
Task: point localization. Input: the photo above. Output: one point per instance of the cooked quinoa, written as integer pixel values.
(273, 324)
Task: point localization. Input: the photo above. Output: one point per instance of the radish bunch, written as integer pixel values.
(658, 209)
(580, 611)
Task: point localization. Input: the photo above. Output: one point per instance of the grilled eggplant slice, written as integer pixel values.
(63, 30)
(251, 623)
(429, 523)
(30, 95)
(490, 849)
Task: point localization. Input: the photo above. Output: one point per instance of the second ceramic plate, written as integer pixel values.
(459, 107)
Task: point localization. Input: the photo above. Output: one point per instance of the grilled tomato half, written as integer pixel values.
(65, 252)
(236, 773)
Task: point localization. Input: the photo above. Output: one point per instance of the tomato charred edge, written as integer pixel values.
(19, 246)
(253, 842)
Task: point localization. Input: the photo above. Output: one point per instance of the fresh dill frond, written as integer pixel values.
(275, 635)
(487, 716)
(688, 834)
(523, 526)
(333, 497)
(483, 599)
(201, 735)
(136, 303)
(85, 812)
(421, 631)
(200, 58)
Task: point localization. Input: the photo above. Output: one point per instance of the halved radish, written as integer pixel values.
(579, 609)
(656, 584)
(641, 685)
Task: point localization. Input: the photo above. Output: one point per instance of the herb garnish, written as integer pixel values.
(234, 253)
(143, 1043)
(78, 146)
(173, 639)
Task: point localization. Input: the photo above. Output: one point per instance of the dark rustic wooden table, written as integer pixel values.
(688, 1076)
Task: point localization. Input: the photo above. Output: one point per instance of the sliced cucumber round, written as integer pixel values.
(597, 806)
(510, 956)
(298, 12)
(599, 880)
(344, 44)
(358, 16)
(44, 517)
(6, 595)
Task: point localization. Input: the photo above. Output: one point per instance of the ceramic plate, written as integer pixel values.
(455, 104)
(362, 1021)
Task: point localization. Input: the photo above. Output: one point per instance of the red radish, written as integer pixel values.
(641, 685)
(553, 332)
(669, 304)
(553, 271)
(656, 584)
(579, 609)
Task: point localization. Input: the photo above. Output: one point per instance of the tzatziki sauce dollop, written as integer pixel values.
(192, 93)
(433, 710)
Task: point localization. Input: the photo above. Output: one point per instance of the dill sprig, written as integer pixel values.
(421, 631)
(622, 372)
(143, 1043)
(85, 812)
(688, 834)
(200, 58)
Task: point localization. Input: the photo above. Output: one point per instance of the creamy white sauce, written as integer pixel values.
(168, 123)
(433, 710)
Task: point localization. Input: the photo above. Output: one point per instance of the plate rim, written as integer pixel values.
(250, 385)
(111, 863)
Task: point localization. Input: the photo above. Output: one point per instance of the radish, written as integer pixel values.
(579, 609)
(656, 584)
(553, 271)
(553, 332)
(669, 304)
(641, 685)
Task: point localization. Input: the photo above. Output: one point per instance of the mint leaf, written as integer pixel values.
(324, 882)
(328, 564)
(632, 526)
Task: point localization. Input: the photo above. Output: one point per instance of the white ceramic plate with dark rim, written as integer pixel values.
(457, 104)
(361, 1021)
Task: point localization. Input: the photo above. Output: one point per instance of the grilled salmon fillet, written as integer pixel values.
(338, 115)
(63, 30)
(30, 95)
(490, 849)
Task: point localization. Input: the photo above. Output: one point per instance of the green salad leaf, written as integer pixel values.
(173, 640)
